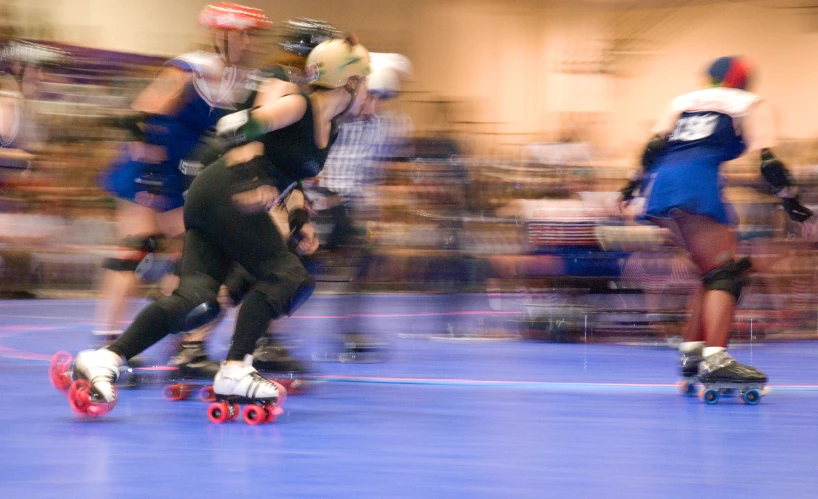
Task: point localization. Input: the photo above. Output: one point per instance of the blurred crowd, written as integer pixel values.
(540, 233)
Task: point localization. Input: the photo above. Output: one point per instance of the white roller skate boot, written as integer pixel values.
(88, 381)
(241, 383)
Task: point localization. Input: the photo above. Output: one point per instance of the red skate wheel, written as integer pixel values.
(273, 412)
(79, 396)
(236, 410)
(218, 412)
(207, 394)
(254, 414)
(269, 415)
(99, 408)
(175, 392)
(58, 370)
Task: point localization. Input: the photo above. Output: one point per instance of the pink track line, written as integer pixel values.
(19, 354)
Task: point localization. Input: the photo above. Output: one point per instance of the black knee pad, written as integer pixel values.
(136, 254)
(729, 277)
(194, 304)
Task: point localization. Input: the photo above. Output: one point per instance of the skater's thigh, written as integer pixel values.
(134, 219)
(255, 243)
(201, 255)
(710, 243)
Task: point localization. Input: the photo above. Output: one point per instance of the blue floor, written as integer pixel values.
(441, 418)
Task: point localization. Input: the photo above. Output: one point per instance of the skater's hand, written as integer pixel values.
(308, 243)
(240, 127)
(626, 195)
(794, 208)
(261, 198)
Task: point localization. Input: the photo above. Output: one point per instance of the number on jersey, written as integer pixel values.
(695, 127)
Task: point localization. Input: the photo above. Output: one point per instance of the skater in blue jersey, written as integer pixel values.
(681, 182)
(186, 98)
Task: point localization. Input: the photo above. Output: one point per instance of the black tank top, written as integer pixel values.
(291, 151)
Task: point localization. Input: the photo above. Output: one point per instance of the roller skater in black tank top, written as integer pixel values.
(227, 222)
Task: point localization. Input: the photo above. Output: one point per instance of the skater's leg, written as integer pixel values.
(691, 348)
(193, 304)
(142, 232)
(712, 248)
(278, 281)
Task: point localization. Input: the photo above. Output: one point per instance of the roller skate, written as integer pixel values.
(89, 381)
(273, 359)
(689, 367)
(361, 348)
(236, 384)
(130, 375)
(193, 371)
(720, 374)
(354, 347)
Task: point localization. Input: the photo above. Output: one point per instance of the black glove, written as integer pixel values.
(297, 219)
(628, 190)
(132, 122)
(794, 208)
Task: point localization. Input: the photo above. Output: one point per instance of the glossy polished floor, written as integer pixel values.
(443, 416)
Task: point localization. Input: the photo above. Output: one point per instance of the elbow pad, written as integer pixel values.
(774, 172)
(652, 150)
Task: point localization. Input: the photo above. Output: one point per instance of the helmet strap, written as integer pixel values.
(226, 54)
(353, 92)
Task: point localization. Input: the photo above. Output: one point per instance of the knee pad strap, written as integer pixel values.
(136, 254)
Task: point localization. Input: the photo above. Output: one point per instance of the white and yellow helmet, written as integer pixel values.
(336, 61)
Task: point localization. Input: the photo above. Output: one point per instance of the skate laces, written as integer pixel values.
(109, 376)
(257, 381)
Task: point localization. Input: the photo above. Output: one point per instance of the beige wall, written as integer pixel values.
(513, 71)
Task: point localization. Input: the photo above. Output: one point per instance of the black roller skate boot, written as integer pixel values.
(689, 359)
(357, 347)
(193, 370)
(720, 374)
(273, 359)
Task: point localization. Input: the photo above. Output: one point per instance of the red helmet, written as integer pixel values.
(232, 16)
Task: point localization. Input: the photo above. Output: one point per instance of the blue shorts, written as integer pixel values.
(121, 180)
(689, 187)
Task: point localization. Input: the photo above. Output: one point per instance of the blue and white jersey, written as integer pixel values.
(706, 126)
(702, 130)
(211, 93)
